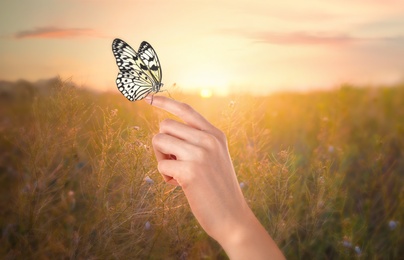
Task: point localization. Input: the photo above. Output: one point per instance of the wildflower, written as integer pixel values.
(76, 238)
(242, 185)
(358, 250)
(250, 145)
(79, 165)
(321, 180)
(331, 149)
(393, 224)
(147, 225)
(114, 112)
(71, 199)
(138, 143)
(283, 155)
(347, 243)
(148, 180)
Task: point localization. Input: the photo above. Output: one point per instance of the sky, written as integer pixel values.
(252, 46)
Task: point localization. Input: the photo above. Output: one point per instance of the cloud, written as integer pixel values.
(309, 38)
(56, 33)
(295, 38)
(303, 38)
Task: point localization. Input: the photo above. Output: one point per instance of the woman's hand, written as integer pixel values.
(194, 155)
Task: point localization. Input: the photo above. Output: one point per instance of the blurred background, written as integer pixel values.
(309, 94)
(223, 46)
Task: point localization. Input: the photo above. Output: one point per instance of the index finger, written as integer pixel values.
(181, 110)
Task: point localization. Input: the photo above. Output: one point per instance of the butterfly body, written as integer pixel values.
(139, 72)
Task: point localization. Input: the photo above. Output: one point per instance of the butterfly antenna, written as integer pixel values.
(152, 96)
(166, 90)
(169, 94)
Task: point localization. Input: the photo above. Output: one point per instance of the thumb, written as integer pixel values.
(171, 171)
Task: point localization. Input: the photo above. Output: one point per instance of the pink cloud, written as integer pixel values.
(320, 38)
(296, 38)
(304, 38)
(56, 33)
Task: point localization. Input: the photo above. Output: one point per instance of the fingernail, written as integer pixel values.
(148, 99)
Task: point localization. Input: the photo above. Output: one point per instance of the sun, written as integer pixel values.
(206, 80)
(205, 93)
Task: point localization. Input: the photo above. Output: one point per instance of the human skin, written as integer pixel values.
(194, 154)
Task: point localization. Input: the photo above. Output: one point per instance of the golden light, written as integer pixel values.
(206, 93)
(206, 78)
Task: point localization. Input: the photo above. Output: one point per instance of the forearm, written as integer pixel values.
(250, 240)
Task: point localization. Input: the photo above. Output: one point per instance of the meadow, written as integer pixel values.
(323, 171)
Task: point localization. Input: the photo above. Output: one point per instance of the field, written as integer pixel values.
(323, 171)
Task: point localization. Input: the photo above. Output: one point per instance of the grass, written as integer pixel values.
(323, 172)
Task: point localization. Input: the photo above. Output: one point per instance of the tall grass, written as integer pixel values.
(323, 172)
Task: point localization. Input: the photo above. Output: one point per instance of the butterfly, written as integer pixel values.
(139, 72)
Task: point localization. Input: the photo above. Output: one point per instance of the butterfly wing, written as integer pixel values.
(149, 57)
(134, 79)
(132, 87)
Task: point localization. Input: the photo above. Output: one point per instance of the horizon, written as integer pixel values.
(203, 92)
(222, 47)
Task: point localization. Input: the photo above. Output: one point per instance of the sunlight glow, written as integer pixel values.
(207, 78)
(269, 46)
(205, 93)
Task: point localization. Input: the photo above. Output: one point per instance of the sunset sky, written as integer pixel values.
(255, 45)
